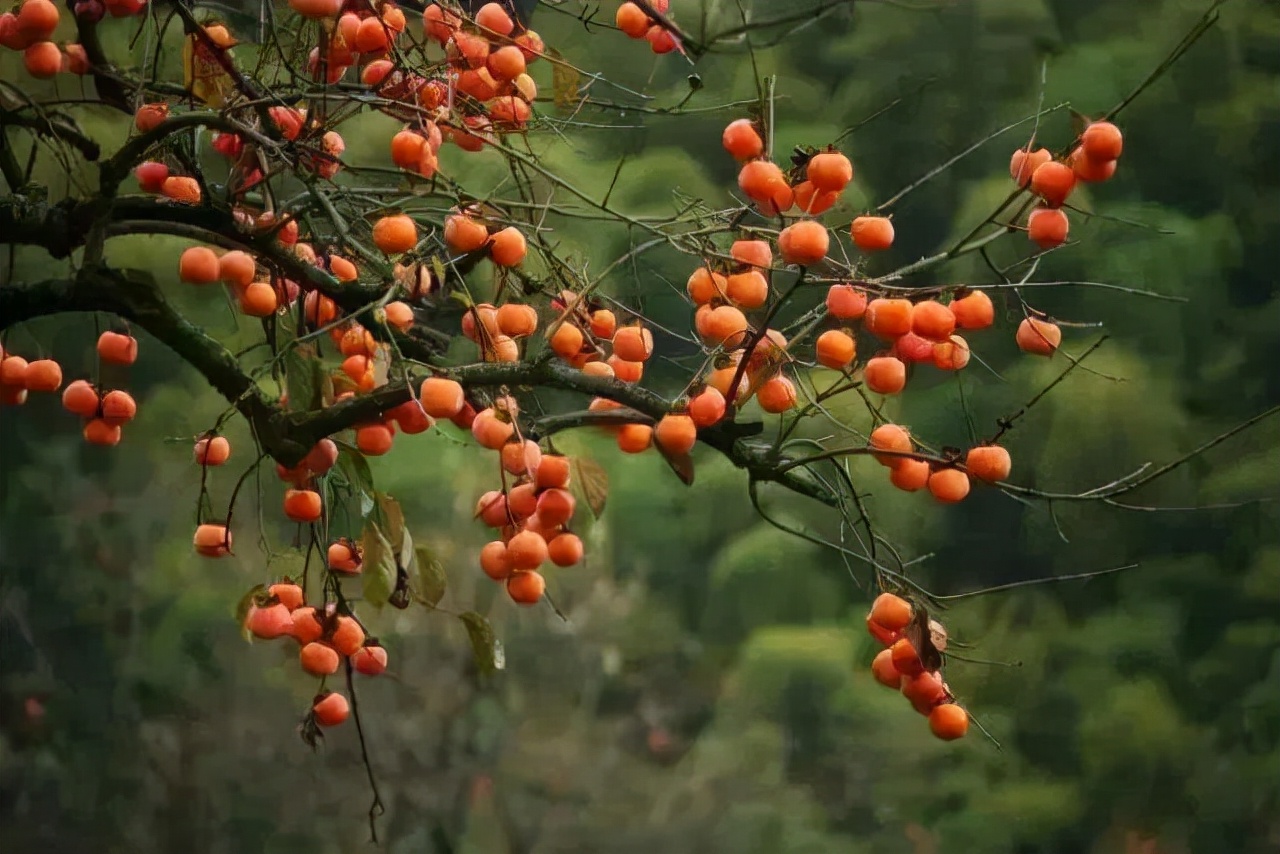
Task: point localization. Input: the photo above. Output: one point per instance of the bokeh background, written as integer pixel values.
(710, 690)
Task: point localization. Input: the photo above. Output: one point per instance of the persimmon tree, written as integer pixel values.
(392, 300)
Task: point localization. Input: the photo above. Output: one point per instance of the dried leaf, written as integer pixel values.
(592, 481)
(918, 633)
(392, 518)
(681, 464)
(1079, 121)
(427, 579)
(381, 367)
(379, 568)
(484, 644)
(565, 80)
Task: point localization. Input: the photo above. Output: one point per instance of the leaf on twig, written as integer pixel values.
(592, 481)
(303, 377)
(484, 644)
(565, 80)
(427, 579)
(379, 566)
(681, 464)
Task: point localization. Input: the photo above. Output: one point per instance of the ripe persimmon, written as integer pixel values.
(370, 660)
(118, 407)
(464, 234)
(212, 450)
(905, 658)
(199, 266)
(555, 507)
(748, 289)
(395, 234)
(565, 549)
(567, 340)
(331, 710)
(517, 320)
(883, 670)
(441, 397)
(308, 627)
(1089, 170)
(525, 586)
(490, 431)
(891, 612)
(116, 348)
(181, 188)
(948, 721)
(973, 310)
(374, 440)
(829, 171)
(552, 472)
(289, 595)
(776, 394)
(932, 320)
(603, 324)
(952, 354)
(1048, 227)
(1053, 182)
(633, 343)
(1102, 141)
(724, 324)
(507, 247)
(910, 475)
(319, 659)
(803, 243)
(872, 233)
(322, 457)
(704, 285)
(494, 560)
(835, 349)
(41, 375)
(97, 431)
(676, 433)
(269, 622)
(400, 315)
(890, 437)
(911, 348)
(809, 199)
(755, 253)
(521, 457)
(42, 60)
(1038, 337)
(212, 540)
(526, 550)
(988, 463)
(634, 438)
(259, 299)
(1024, 163)
(949, 485)
(151, 176)
(888, 317)
(707, 407)
(237, 268)
(303, 505)
(925, 691)
(740, 137)
(846, 302)
(885, 374)
(347, 637)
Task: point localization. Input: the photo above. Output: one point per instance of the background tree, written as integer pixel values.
(691, 642)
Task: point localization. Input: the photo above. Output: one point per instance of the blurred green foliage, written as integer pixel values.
(709, 690)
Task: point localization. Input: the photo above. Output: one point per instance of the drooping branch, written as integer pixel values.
(287, 437)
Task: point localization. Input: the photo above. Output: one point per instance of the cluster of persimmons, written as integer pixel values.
(911, 662)
(481, 88)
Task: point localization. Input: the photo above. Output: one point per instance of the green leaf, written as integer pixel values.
(355, 471)
(379, 570)
(427, 578)
(484, 644)
(291, 564)
(246, 602)
(590, 478)
(304, 378)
